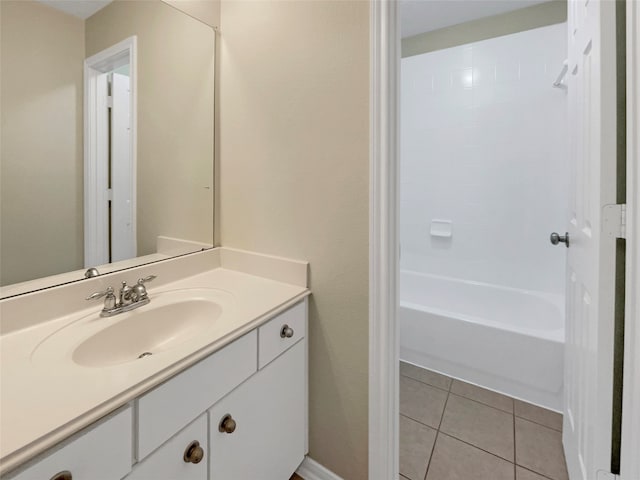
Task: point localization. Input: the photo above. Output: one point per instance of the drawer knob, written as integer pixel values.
(227, 424)
(65, 475)
(194, 453)
(286, 331)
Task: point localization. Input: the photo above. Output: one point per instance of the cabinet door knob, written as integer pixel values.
(194, 453)
(227, 424)
(64, 475)
(286, 331)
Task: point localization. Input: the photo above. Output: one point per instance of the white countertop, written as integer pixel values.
(41, 403)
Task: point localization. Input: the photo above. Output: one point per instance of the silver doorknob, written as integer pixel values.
(556, 239)
(286, 331)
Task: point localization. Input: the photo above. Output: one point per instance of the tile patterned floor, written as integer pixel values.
(451, 430)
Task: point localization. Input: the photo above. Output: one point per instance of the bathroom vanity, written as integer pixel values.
(225, 398)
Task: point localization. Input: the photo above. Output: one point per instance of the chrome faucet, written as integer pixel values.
(129, 298)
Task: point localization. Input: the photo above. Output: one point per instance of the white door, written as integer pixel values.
(123, 241)
(591, 254)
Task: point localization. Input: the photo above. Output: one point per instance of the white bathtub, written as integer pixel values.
(504, 339)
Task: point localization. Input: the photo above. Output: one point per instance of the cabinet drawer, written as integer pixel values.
(102, 452)
(271, 338)
(166, 409)
(168, 462)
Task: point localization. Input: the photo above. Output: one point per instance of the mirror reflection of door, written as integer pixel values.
(122, 242)
(110, 161)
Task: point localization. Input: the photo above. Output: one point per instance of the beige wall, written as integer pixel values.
(175, 115)
(207, 11)
(41, 193)
(294, 182)
(536, 16)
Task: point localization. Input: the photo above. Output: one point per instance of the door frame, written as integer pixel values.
(96, 140)
(384, 409)
(629, 461)
(384, 252)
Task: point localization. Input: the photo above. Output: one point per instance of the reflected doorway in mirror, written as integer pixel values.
(110, 154)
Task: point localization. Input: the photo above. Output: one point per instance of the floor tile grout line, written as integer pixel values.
(437, 434)
(418, 421)
(438, 430)
(426, 370)
(481, 403)
(474, 446)
(435, 440)
(478, 401)
(471, 384)
(538, 423)
(444, 408)
(533, 471)
(425, 383)
(506, 411)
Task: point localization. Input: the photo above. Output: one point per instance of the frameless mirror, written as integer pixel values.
(106, 153)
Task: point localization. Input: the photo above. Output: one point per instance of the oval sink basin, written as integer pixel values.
(169, 320)
(147, 332)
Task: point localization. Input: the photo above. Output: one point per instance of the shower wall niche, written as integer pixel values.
(484, 172)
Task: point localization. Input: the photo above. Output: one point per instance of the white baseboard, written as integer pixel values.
(309, 469)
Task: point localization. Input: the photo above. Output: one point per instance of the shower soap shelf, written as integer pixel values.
(441, 228)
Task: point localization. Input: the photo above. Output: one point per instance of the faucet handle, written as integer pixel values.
(109, 300)
(139, 292)
(107, 292)
(142, 281)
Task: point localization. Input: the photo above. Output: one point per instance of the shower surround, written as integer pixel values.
(484, 177)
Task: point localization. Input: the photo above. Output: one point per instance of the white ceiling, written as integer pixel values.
(419, 16)
(78, 8)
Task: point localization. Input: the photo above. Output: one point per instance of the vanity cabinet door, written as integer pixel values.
(178, 459)
(266, 427)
